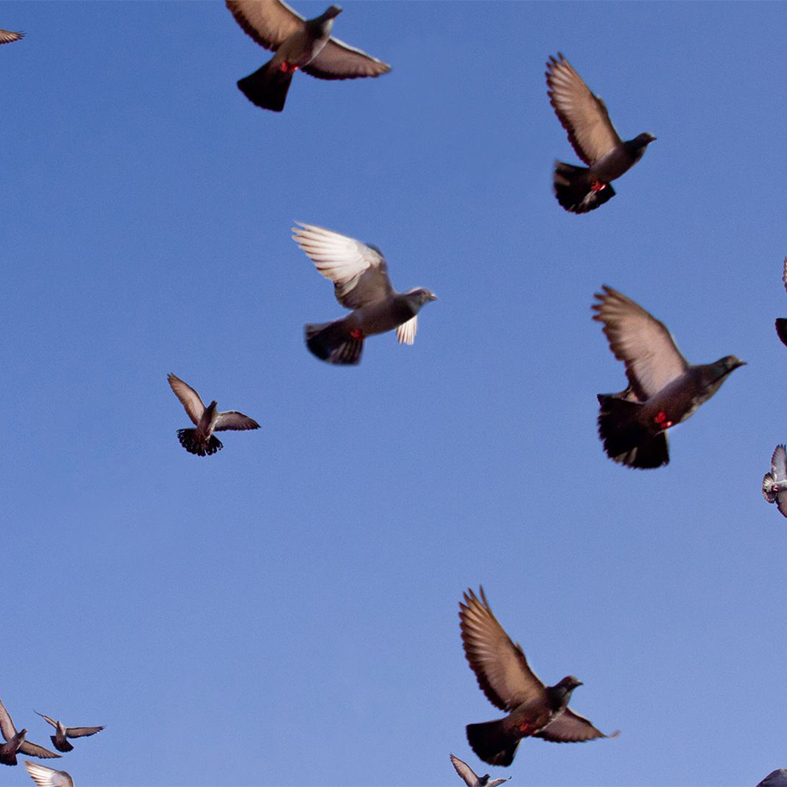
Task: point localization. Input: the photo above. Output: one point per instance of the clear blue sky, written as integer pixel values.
(285, 612)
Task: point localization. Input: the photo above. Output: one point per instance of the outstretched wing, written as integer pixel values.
(81, 732)
(6, 725)
(189, 398)
(48, 777)
(639, 340)
(8, 36)
(232, 419)
(499, 665)
(46, 718)
(583, 115)
(570, 727)
(268, 22)
(34, 750)
(337, 60)
(359, 272)
(465, 772)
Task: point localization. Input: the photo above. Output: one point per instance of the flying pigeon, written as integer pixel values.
(774, 484)
(8, 36)
(781, 322)
(534, 710)
(15, 742)
(593, 137)
(360, 278)
(298, 44)
(777, 778)
(201, 441)
(469, 776)
(63, 732)
(663, 391)
(48, 777)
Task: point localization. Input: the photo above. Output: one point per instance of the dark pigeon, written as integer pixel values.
(502, 671)
(9, 36)
(360, 279)
(63, 732)
(201, 441)
(48, 777)
(781, 322)
(593, 137)
(469, 776)
(15, 742)
(299, 44)
(774, 484)
(663, 391)
(777, 778)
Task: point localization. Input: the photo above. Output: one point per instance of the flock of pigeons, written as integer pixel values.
(663, 388)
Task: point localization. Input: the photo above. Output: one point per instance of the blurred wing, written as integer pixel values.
(779, 464)
(767, 488)
(639, 340)
(583, 115)
(34, 750)
(359, 272)
(232, 419)
(81, 732)
(189, 398)
(781, 501)
(570, 727)
(7, 36)
(6, 725)
(337, 60)
(51, 721)
(268, 22)
(48, 777)
(499, 665)
(465, 772)
(405, 333)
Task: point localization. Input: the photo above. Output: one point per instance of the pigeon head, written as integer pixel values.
(731, 362)
(643, 140)
(419, 296)
(565, 687)
(331, 12)
(482, 780)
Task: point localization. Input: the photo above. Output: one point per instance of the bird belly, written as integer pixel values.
(379, 318)
(611, 166)
(298, 51)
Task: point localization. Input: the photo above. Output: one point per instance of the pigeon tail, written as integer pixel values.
(196, 445)
(330, 342)
(577, 191)
(267, 87)
(781, 329)
(626, 440)
(64, 745)
(492, 742)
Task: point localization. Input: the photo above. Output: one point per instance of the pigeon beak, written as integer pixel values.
(432, 296)
(740, 363)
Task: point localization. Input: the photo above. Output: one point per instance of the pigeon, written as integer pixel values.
(9, 36)
(15, 742)
(468, 775)
(201, 441)
(781, 322)
(63, 732)
(593, 137)
(777, 778)
(663, 391)
(360, 278)
(298, 44)
(774, 484)
(48, 777)
(534, 710)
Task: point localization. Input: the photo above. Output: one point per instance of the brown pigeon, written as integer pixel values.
(8, 36)
(48, 777)
(201, 441)
(63, 732)
(534, 710)
(781, 322)
(15, 742)
(299, 44)
(664, 389)
(360, 279)
(593, 137)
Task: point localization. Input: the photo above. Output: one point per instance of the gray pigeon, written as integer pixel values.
(777, 778)
(48, 777)
(593, 137)
(502, 671)
(774, 484)
(781, 322)
(663, 391)
(469, 776)
(360, 278)
(201, 441)
(8, 36)
(63, 732)
(15, 742)
(299, 44)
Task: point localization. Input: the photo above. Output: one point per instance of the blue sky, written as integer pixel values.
(285, 612)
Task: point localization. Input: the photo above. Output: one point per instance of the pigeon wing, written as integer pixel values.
(570, 727)
(8, 36)
(47, 719)
(777, 778)
(779, 464)
(405, 333)
(48, 777)
(232, 419)
(359, 272)
(337, 60)
(189, 398)
(768, 483)
(81, 732)
(583, 115)
(6, 725)
(639, 340)
(268, 22)
(34, 750)
(500, 666)
(465, 772)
